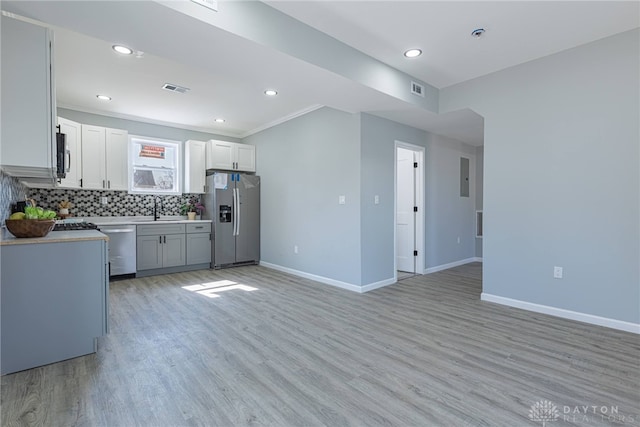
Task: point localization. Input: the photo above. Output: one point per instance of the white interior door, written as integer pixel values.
(405, 215)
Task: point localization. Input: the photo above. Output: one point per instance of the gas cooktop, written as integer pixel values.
(67, 226)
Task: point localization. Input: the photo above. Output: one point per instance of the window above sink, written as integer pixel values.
(154, 166)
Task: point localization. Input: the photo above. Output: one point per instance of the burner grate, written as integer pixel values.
(69, 226)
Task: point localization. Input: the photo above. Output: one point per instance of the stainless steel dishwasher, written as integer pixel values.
(122, 248)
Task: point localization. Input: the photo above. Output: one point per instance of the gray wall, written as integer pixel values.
(562, 186)
(305, 164)
(479, 190)
(448, 216)
(140, 128)
(377, 157)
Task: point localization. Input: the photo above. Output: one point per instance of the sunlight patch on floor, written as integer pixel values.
(212, 289)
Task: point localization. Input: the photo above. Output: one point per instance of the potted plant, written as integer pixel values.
(192, 208)
(64, 207)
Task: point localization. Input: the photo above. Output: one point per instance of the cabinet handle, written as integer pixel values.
(108, 183)
(165, 239)
(160, 237)
(209, 236)
(80, 182)
(198, 227)
(103, 184)
(69, 162)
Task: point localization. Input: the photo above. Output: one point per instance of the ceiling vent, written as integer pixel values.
(175, 88)
(417, 89)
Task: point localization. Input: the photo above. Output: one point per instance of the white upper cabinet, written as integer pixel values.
(28, 101)
(226, 155)
(220, 155)
(104, 158)
(72, 152)
(246, 157)
(93, 163)
(194, 166)
(117, 141)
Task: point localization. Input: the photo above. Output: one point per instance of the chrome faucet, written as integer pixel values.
(156, 211)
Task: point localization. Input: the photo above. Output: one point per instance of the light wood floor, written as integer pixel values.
(423, 352)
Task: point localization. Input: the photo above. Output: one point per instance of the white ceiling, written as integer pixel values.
(227, 74)
(516, 31)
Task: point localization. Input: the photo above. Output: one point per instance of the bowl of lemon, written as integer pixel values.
(33, 222)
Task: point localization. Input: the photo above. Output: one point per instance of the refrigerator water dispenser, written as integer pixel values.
(225, 213)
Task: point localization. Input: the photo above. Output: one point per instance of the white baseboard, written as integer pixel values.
(566, 314)
(328, 281)
(376, 285)
(477, 259)
(449, 265)
(321, 279)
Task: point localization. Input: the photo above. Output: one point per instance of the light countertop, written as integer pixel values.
(135, 220)
(7, 238)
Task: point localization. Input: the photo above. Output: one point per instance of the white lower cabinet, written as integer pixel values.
(198, 243)
(161, 246)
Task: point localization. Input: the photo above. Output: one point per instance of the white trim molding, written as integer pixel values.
(376, 285)
(566, 314)
(281, 120)
(328, 281)
(419, 202)
(451, 265)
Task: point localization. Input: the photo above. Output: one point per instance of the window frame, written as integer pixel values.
(171, 157)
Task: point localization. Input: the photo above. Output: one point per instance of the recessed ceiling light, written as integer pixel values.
(477, 33)
(270, 92)
(103, 97)
(122, 49)
(413, 53)
(219, 120)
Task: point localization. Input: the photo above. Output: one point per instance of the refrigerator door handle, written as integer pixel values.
(235, 209)
(237, 212)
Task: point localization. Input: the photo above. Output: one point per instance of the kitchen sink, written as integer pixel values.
(134, 219)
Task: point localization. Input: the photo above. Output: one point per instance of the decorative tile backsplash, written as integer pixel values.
(119, 203)
(11, 191)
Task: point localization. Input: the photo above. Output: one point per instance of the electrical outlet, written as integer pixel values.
(458, 239)
(104, 200)
(557, 272)
(295, 249)
(376, 199)
(341, 200)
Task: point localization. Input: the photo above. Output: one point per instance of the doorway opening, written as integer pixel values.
(409, 210)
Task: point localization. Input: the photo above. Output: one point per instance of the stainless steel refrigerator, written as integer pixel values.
(232, 202)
